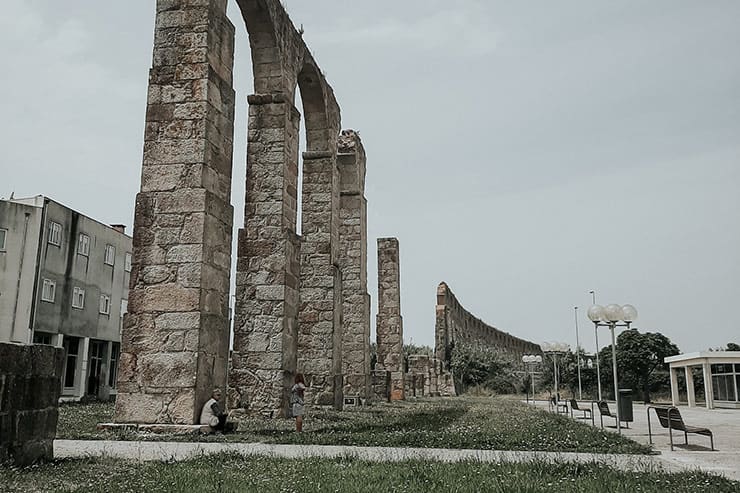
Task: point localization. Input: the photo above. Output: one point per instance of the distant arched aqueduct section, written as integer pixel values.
(288, 311)
(455, 324)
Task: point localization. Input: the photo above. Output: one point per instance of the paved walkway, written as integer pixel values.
(145, 451)
(724, 423)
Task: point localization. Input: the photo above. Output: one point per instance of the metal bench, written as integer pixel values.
(559, 407)
(604, 411)
(587, 413)
(670, 417)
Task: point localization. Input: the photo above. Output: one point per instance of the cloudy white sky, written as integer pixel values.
(524, 152)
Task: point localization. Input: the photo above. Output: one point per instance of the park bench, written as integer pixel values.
(560, 407)
(604, 411)
(670, 417)
(587, 413)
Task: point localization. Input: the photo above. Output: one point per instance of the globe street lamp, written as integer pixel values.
(530, 360)
(556, 349)
(611, 316)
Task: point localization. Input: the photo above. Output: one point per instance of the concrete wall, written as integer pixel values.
(29, 258)
(29, 393)
(65, 266)
(18, 262)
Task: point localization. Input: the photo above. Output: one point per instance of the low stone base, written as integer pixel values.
(163, 429)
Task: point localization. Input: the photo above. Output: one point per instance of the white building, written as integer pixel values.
(721, 371)
(64, 281)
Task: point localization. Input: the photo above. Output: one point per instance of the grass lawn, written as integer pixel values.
(266, 475)
(489, 423)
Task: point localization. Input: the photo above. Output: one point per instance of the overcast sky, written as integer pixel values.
(523, 152)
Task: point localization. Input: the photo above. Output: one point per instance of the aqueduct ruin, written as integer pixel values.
(289, 302)
(301, 301)
(454, 324)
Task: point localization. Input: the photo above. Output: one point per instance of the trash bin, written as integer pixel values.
(625, 405)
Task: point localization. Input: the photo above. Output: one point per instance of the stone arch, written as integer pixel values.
(179, 310)
(288, 287)
(265, 52)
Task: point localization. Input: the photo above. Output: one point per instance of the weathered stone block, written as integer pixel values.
(30, 384)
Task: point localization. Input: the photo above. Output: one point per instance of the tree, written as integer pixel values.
(731, 346)
(475, 364)
(639, 356)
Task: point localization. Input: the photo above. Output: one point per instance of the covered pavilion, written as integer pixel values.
(721, 370)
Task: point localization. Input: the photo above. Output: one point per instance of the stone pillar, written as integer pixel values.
(690, 394)
(441, 329)
(263, 361)
(380, 383)
(434, 378)
(320, 315)
(389, 323)
(174, 347)
(353, 263)
(419, 368)
(675, 397)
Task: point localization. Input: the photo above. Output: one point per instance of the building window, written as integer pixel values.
(127, 262)
(42, 338)
(95, 366)
(105, 304)
(71, 348)
(83, 245)
(55, 233)
(3, 235)
(115, 351)
(48, 291)
(110, 254)
(78, 298)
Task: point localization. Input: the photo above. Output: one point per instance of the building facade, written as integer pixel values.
(64, 281)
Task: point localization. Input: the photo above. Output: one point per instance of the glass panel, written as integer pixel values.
(737, 368)
(719, 369)
(72, 346)
(724, 387)
(41, 338)
(113, 373)
(737, 388)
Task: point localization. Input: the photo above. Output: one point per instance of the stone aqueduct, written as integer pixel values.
(454, 324)
(301, 301)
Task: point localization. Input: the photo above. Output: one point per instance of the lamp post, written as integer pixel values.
(530, 360)
(578, 355)
(556, 349)
(611, 316)
(596, 333)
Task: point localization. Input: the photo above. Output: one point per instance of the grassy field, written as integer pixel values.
(489, 423)
(265, 475)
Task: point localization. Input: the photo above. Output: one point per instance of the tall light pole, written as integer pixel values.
(610, 316)
(578, 355)
(596, 333)
(555, 349)
(530, 360)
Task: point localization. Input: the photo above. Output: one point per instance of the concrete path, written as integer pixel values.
(724, 423)
(146, 451)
